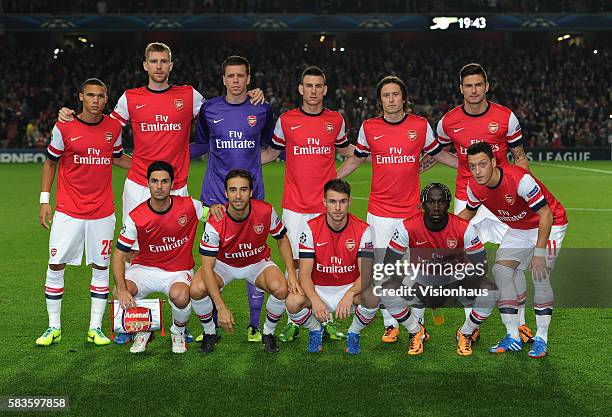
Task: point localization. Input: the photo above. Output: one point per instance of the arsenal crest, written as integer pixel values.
(350, 244)
(493, 127)
(329, 128)
(137, 319)
(108, 136)
(258, 228)
(178, 103)
(412, 135)
(451, 242)
(53, 251)
(182, 220)
(509, 199)
(252, 120)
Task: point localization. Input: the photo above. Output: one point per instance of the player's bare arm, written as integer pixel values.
(121, 291)
(284, 247)
(269, 155)
(520, 159)
(351, 164)
(539, 269)
(225, 318)
(124, 161)
(467, 214)
(426, 162)
(47, 177)
(318, 306)
(447, 158)
(343, 309)
(346, 151)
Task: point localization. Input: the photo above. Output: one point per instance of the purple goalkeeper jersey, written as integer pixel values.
(233, 134)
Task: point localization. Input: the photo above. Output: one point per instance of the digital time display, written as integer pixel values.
(444, 22)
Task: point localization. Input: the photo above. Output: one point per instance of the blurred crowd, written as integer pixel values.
(561, 95)
(301, 6)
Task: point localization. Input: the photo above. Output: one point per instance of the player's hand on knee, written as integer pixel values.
(294, 286)
(65, 115)
(257, 96)
(320, 310)
(125, 298)
(343, 310)
(539, 270)
(217, 211)
(226, 320)
(45, 216)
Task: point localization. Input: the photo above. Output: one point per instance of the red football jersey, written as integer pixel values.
(449, 244)
(161, 125)
(309, 141)
(165, 239)
(241, 243)
(336, 253)
(85, 152)
(396, 149)
(516, 199)
(497, 126)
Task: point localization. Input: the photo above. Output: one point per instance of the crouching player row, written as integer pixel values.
(446, 260)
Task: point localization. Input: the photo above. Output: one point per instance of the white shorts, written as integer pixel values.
(518, 245)
(134, 194)
(250, 273)
(332, 294)
(149, 279)
(69, 234)
(487, 225)
(295, 224)
(382, 229)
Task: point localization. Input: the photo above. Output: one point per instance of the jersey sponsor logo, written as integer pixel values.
(451, 242)
(252, 120)
(412, 135)
(321, 244)
(215, 121)
(505, 216)
(75, 138)
(258, 228)
(140, 106)
(329, 128)
(53, 251)
(137, 319)
(178, 103)
(295, 127)
(458, 130)
(509, 199)
(162, 124)
(377, 137)
(182, 220)
(93, 157)
(313, 147)
(493, 127)
(108, 136)
(350, 244)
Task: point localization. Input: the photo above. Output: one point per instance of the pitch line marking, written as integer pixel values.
(601, 171)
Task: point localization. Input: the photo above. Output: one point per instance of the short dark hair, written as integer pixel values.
(315, 71)
(472, 69)
(338, 185)
(235, 60)
(160, 166)
(479, 147)
(435, 186)
(392, 79)
(239, 173)
(157, 47)
(93, 81)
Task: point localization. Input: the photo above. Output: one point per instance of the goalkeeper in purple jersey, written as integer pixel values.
(233, 130)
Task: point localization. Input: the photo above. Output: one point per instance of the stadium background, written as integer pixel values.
(548, 61)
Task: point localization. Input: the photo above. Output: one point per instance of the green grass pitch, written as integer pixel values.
(239, 379)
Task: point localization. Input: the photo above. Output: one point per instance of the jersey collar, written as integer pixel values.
(348, 218)
(477, 115)
(89, 123)
(312, 114)
(236, 220)
(394, 123)
(158, 91)
(501, 177)
(160, 212)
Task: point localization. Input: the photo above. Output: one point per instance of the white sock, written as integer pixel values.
(543, 301)
(474, 320)
(418, 313)
(509, 317)
(307, 319)
(99, 296)
(274, 311)
(203, 309)
(54, 290)
(180, 318)
(543, 320)
(467, 311)
(363, 316)
(388, 318)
